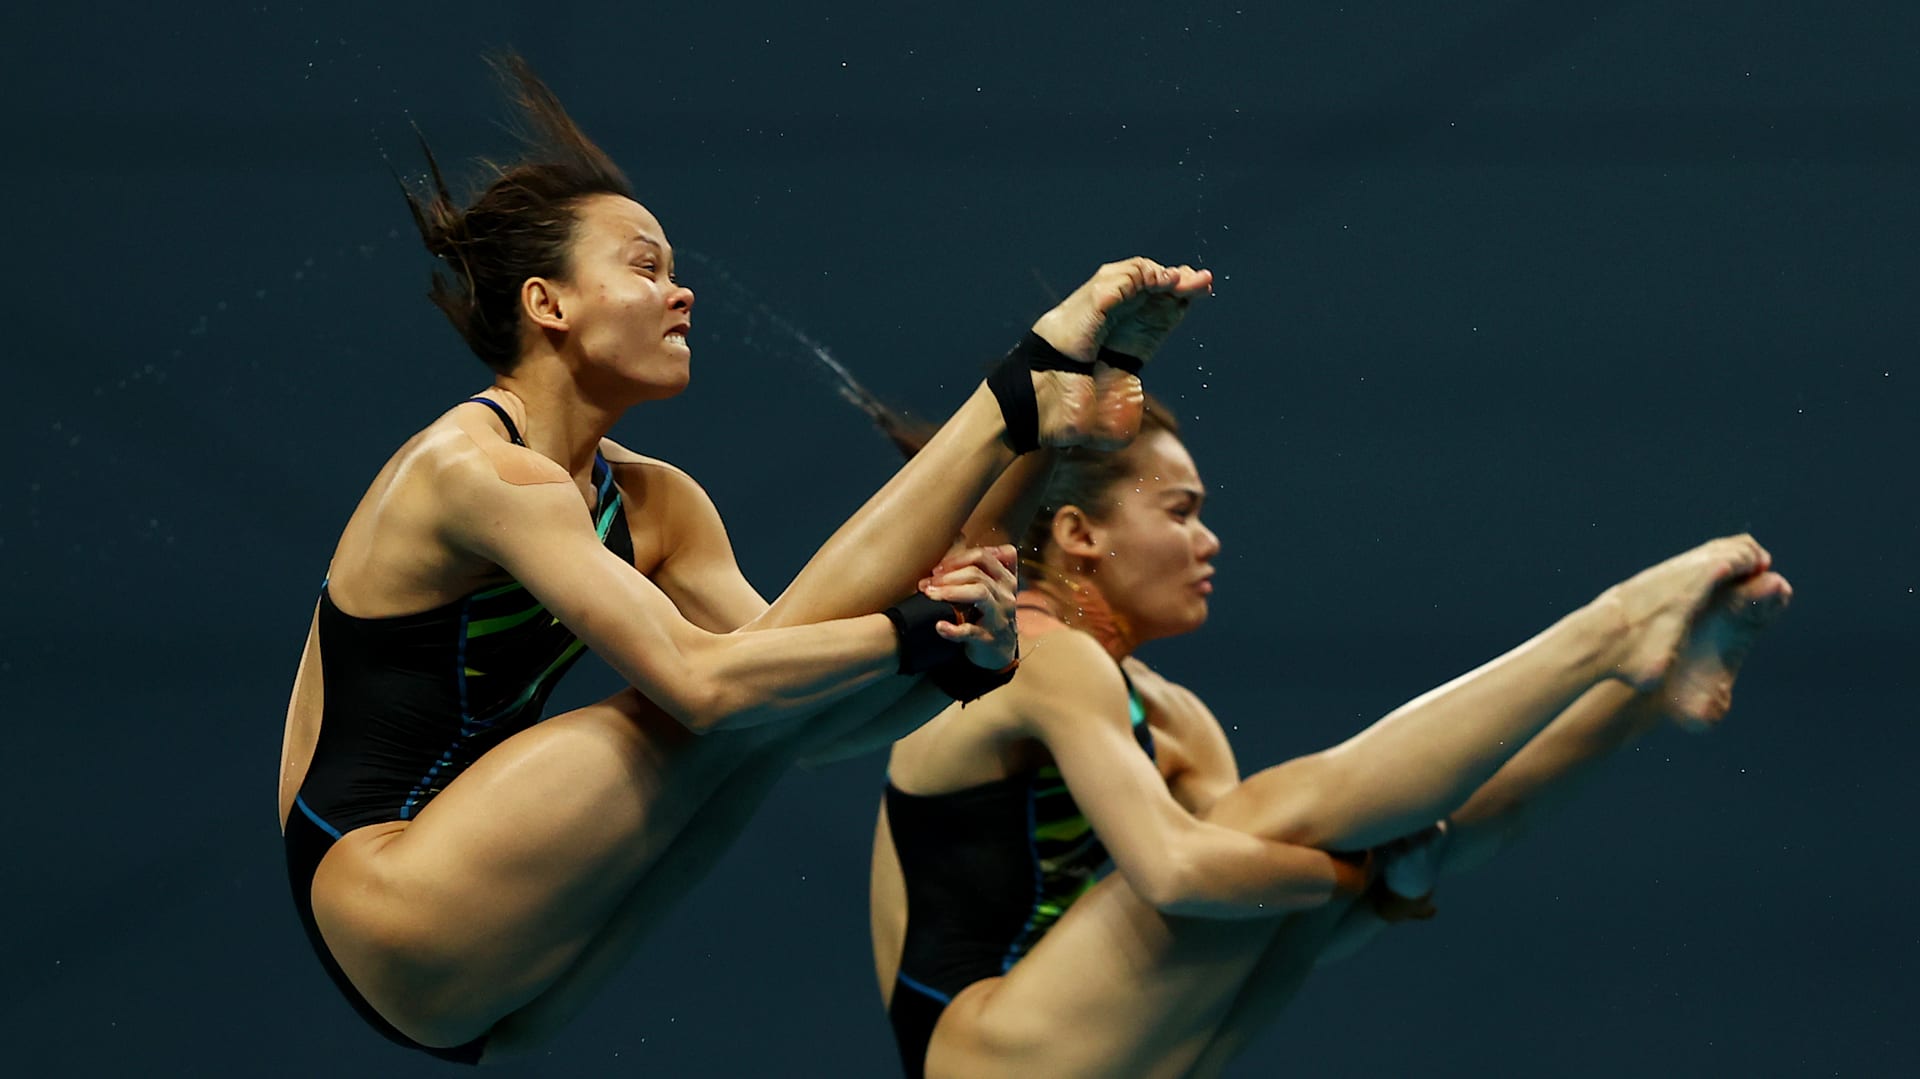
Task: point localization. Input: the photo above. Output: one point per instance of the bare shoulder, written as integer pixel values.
(651, 483)
(620, 456)
(1151, 681)
(1065, 672)
(473, 443)
(479, 480)
(1181, 706)
(1190, 747)
(626, 462)
(422, 532)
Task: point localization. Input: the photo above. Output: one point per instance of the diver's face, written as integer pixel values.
(625, 314)
(1152, 558)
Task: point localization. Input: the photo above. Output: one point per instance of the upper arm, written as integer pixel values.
(1195, 757)
(1073, 700)
(542, 535)
(697, 570)
(1208, 767)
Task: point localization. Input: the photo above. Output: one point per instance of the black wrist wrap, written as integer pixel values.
(921, 647)
(1130, 364)
(965, 681)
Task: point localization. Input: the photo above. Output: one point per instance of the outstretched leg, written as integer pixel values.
(1156, 987)
(1539, 778)
(1429, 755)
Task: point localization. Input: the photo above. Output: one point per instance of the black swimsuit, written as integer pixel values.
(411, 702)
(988, 871)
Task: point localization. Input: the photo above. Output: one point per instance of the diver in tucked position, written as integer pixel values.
(999, 946)
(469, 875)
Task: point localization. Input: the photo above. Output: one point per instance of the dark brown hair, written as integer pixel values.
(520, 226)
(1082, 477)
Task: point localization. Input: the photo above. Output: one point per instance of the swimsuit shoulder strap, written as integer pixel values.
(512, 431)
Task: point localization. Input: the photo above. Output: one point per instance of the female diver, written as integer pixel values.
(469, 875)
(1000, 949)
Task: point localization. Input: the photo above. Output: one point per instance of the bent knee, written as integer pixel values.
(410, 971)
(981, 1033)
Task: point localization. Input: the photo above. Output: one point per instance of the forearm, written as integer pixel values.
(747, 679)
(1550, 768)
(1223, 874)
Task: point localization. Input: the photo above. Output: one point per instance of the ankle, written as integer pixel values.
(1597, 638)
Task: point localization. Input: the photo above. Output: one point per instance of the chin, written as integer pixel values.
(1186, 622)
(660, 385)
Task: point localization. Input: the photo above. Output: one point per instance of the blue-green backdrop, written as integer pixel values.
(1513, 298)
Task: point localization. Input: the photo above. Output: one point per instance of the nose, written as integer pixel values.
(1209, 545)
(682, 300)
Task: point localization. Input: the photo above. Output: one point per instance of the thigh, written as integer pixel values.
(684, 864)
(692, 852)
(1114, 989)
(448, 922)
(1117, 988)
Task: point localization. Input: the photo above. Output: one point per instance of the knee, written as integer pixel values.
(976, 1037)
(406, 969)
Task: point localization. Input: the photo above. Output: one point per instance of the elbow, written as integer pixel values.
(700, 699)
(709, 704)
(1170, 885)
(707, 695)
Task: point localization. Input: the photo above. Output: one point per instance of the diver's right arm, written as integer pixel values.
(1070, 696)
(541, 534)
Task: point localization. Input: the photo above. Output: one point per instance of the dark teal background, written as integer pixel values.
(1513, 298)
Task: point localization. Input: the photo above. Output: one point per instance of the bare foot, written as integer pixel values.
(1659, 605)
(1129, 307)
(1699, 691)
(1100, 411)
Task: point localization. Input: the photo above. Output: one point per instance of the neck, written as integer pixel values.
(556, 418)
(1078, 603)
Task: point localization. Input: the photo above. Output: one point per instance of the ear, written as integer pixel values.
(540, 302)
(1076, 534)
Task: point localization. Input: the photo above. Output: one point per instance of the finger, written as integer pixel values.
(964, 632)
(1008, 556)
(978, 596)
(990, 563)
(961, 578)
(1193, 282)
(996, 564)
(1002, 573)
(968, 556)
